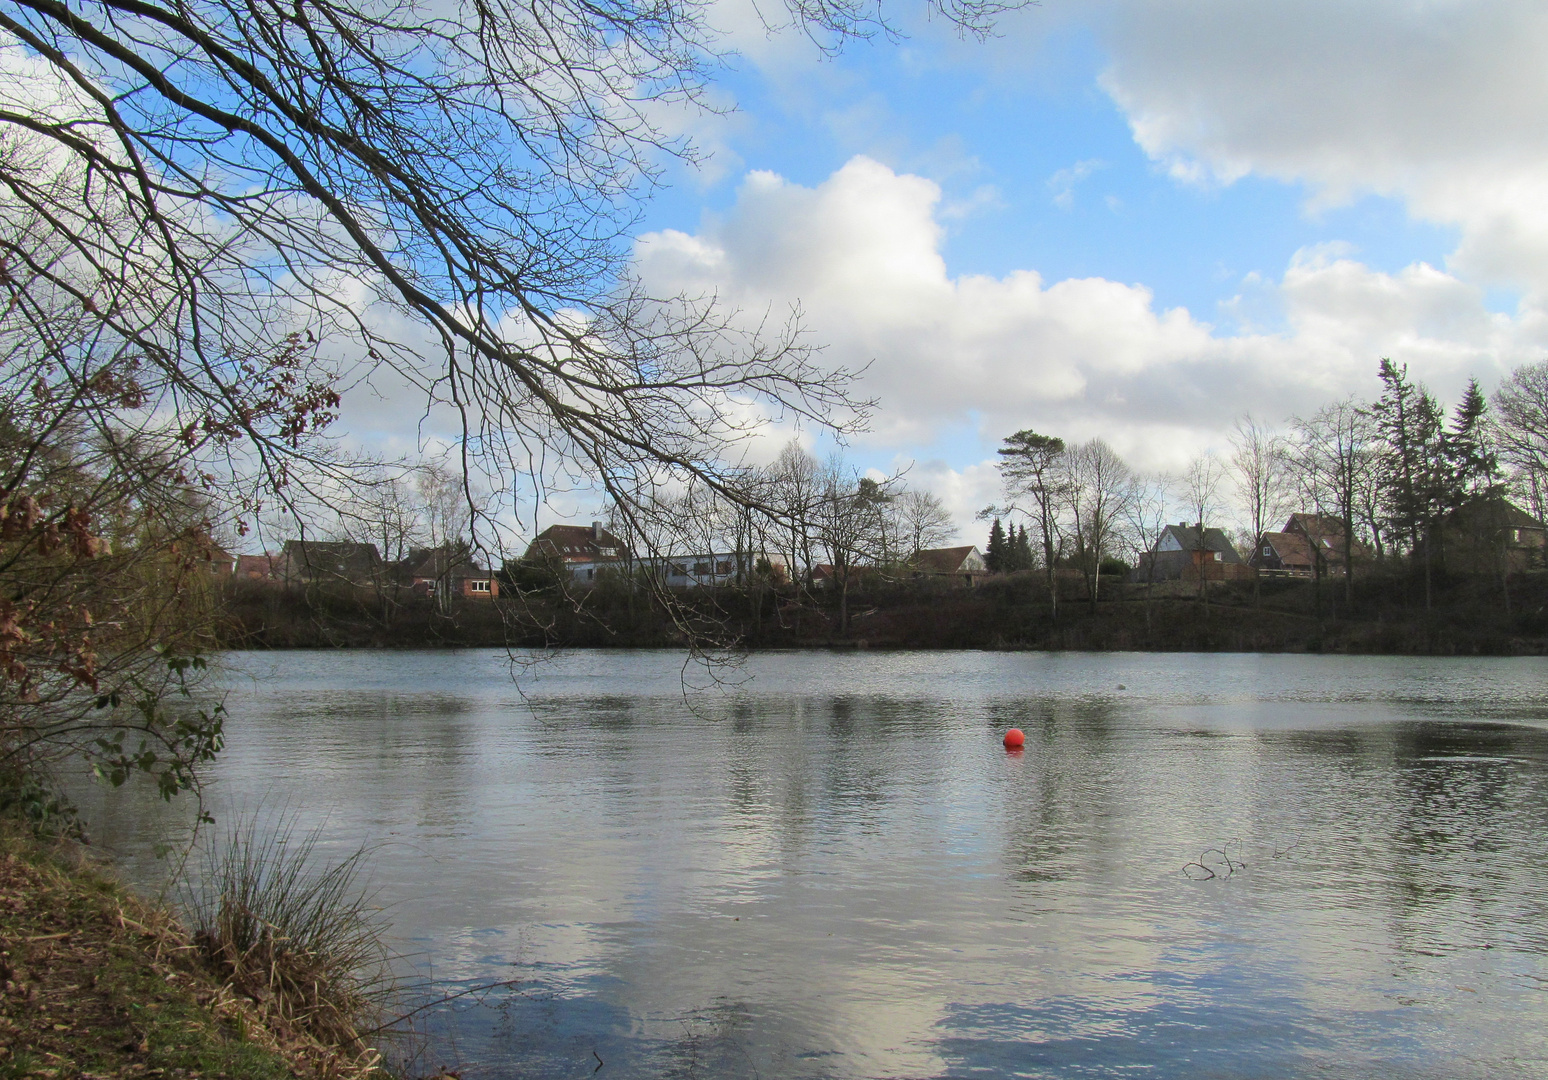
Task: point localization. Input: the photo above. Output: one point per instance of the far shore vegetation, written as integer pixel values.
(1384, 614)
(1387, 525)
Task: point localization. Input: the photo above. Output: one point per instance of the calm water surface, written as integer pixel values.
(833, 869)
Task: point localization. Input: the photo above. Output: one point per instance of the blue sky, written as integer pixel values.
(1128, 218)
(1042, 163)
(1139, 220)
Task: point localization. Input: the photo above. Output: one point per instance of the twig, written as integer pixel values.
(481, 988)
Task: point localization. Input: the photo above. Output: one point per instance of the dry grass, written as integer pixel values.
(94, 981)
(293, 932)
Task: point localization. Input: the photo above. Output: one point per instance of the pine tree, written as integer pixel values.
(994, 557)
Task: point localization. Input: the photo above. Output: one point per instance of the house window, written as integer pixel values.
(701, 568)
(478, 586)
(723, 566)
(1267, 550)
(591, 574)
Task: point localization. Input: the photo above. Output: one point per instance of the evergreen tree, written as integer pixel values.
(1474, 466)
(1414, 469)
(994, 556)
(1023, 558)
(1035, 467)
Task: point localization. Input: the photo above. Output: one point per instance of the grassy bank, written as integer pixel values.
(95, 982)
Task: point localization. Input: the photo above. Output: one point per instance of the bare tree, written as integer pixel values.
(1198, 489)
(848, 525)
(438, 196)
(1099, 485)
(793, 493)
(923, 521)
(1259, 463)
(1521, 406)
(382, 508)
(1145, 519)
(1335, 459)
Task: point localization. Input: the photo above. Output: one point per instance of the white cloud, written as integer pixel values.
(861, 253)
(1063, 182)
(1439, 104)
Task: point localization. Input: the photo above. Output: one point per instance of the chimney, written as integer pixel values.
(596, 530)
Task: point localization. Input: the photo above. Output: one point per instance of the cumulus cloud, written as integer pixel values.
(861, 254)
(1438, 104)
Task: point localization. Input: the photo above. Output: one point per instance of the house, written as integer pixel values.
(219, 561)
(695, 571)
(582, 551)
(449, 571)
(1486, 532)
(318, 561)
(1283, 554)
(965, 564)
(1186, 552)
(1308, 545)
(263, 567)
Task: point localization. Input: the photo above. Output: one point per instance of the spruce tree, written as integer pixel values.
(1475, 467)
(995, 555)
(1023, 551)
(1414, 470)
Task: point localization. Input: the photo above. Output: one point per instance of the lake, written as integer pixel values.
(826, 865)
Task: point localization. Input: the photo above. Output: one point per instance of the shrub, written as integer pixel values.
(296, 934)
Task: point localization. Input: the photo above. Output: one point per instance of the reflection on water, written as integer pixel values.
(834, 870)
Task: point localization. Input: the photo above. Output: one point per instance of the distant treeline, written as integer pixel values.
(1384, 612)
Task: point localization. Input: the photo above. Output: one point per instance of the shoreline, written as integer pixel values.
(96, 980)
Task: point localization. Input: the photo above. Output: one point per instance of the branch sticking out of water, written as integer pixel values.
(1218, 862)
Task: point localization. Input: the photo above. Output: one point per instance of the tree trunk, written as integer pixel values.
(1427, 586)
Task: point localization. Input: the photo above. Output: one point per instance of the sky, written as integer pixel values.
(1127, 219)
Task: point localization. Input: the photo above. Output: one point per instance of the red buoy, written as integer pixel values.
(1014, 739)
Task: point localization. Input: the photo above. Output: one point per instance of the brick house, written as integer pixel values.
(325, 561)
(449, 571)
(1484, 534)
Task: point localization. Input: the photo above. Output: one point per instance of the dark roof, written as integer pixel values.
(1497, 511)
(437, 563)
(1187, 536)
(1292, 549)
(942, 560)
(576, 543)
(1321, 526)
(340, 558)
